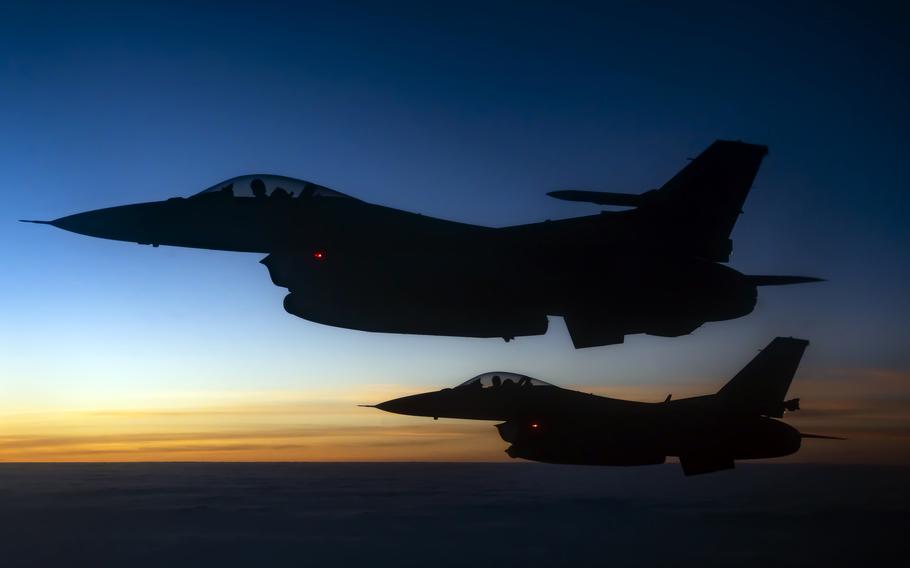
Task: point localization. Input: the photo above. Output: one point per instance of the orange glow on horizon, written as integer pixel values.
(328, 426)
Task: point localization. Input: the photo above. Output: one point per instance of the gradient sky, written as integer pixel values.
(466, 111)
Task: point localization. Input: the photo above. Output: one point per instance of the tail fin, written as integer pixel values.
(762, 384)
(700, 204)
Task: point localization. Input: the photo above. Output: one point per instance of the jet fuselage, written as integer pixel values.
(357, 265)
(656, 269)
(707, 433)
(552, 424)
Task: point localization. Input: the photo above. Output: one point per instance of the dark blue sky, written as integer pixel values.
(465, 111)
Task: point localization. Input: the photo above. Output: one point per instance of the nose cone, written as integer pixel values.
(135, 223)
(414, 405)
(426, 404)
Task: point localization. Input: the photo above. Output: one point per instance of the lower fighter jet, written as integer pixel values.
(546, 423)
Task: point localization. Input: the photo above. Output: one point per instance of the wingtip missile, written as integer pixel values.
(764, 280)
(598, 197)
(819, 436)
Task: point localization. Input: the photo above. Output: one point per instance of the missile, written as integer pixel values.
(602, 197)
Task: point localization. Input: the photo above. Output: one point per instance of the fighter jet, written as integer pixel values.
(546, 423)
(655, 267)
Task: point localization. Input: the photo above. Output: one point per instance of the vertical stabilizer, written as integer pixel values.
(762, 384)
(701, 203)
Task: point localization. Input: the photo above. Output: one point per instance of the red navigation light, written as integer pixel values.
(319, 255)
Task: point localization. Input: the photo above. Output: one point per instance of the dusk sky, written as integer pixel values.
(471, 112)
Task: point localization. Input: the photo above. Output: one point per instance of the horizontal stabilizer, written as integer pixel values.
(819, 436)
(758, 280)
(599, 197)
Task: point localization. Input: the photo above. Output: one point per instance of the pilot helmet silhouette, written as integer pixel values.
(258, 187)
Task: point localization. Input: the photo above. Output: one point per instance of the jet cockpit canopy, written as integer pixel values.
(499, 378)
(267, 185)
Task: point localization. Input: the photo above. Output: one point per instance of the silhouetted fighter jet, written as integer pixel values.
(707, 433)
(655, 268)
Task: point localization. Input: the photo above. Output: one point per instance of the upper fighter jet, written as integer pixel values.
(655, 267)
(707, 433)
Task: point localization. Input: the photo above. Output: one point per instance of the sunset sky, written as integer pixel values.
(112, 351)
